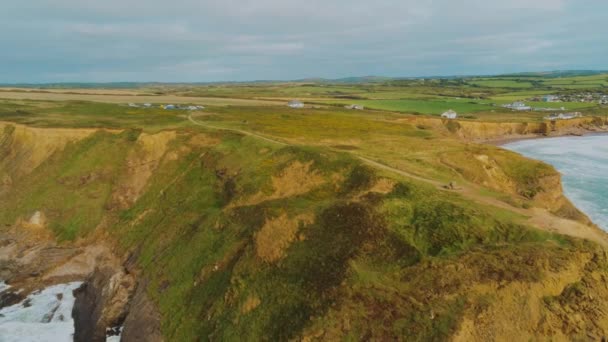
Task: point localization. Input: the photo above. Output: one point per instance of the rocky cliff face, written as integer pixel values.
(102, 303)
(143, 322)
(495, 131)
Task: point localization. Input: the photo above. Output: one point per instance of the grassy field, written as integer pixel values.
(424, 106)
(253, 219)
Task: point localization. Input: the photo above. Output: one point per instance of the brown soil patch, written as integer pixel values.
(141, 164)
(250, 304)
(296, 179)
(202, 140)
(517, 310)
(32, 146)
(383, 186)
(277, 234)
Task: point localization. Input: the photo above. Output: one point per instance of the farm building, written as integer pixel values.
(550, 98)
(169, 107)
(520, 106)
(147, 105)
(564, 116)
(450, 114)
(354, 106)
(295, 104)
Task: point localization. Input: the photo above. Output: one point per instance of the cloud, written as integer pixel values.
(205, 40)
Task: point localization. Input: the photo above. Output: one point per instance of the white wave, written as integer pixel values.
(43, 316)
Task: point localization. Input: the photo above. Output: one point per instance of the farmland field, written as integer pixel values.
(251, 218)
(430, 106)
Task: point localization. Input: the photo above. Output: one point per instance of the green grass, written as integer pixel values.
(80, 114)
(72, 188)
(405, 262)
(430, 106)
(503, 83)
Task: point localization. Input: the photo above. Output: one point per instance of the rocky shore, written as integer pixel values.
(109, 302)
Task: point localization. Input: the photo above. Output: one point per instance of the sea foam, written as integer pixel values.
(43, 316)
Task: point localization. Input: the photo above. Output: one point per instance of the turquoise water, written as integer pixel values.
(583, 163)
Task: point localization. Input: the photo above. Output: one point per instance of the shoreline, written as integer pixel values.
(504, 141)
(578, 204)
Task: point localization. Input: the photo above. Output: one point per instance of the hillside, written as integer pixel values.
(277, 225)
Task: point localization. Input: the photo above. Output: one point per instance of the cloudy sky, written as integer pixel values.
(237, 40)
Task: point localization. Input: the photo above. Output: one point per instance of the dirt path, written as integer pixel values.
(198, 123)
(539, 218)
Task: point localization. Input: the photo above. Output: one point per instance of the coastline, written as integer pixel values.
(508, 140)
(576, 192)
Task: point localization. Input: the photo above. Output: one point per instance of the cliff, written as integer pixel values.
(503, 131)
(193, 235)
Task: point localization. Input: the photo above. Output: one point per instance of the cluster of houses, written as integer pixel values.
(167, 106)
(523, 107)
(564, 116)
(299, 104)
(295, 104)
(580, 97)
(145, 105)
(178, 107)
(518, 106)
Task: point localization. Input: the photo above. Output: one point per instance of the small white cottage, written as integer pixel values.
(295, 104)
(450, 114)
(355, 107)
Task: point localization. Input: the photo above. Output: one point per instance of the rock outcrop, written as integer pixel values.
(143, 320)
(101, 303)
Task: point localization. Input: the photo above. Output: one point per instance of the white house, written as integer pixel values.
(450, 114)
(550, 98)
(295, 104)
(520, 106)
(355, 106)
(564, 116)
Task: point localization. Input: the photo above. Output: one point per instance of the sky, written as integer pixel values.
(241, 40)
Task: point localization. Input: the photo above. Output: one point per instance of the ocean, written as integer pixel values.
(583, 163)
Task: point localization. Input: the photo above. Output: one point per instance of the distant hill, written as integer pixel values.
(557, 73)
(345, 80)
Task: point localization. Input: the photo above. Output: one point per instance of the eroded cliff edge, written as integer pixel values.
(497, 132)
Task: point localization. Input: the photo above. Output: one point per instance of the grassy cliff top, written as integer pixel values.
(254, 219)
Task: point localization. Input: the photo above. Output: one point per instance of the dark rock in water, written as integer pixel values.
(27, 303)
(83, 313)
(101, 302)
(114, 331)
(143, 321)
(8, 298)
(49, 316)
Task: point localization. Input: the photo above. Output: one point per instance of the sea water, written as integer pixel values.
(43, 316)
(583, 163)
